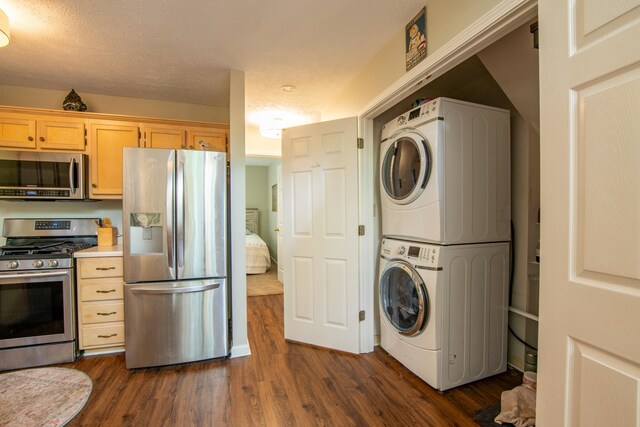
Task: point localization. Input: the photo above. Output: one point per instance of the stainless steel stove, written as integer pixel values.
(37, 289)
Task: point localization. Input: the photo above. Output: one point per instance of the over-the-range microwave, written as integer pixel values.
(34, 175)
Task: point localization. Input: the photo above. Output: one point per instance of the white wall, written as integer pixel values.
(52, 99)
(237, 219)
(444, 20)
(258, 195)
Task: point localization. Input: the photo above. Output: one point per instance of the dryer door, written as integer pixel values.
(405, 167)
(403, 298)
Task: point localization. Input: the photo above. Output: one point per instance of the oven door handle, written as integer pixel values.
(33, 275)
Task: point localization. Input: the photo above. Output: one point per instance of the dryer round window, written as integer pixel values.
(406, 167)
(404, 299)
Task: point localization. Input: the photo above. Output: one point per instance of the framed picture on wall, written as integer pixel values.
(274, 198)
(416, 39)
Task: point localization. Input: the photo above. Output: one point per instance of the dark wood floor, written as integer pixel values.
(280, 384)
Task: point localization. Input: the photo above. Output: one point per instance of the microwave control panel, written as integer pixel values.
(10, 192)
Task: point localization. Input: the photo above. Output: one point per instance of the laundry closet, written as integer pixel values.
(502, 75)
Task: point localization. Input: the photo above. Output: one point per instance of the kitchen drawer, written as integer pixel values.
(101, 289)
(103, 312)
(91, 268)
(101, 335)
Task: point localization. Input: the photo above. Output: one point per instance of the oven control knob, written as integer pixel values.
(53, 263)
(14, 264)
(38, 263)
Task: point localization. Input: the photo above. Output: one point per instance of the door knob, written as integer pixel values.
(276, 229)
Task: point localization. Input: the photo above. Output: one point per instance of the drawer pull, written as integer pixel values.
(106, 314)
(107, 336)
(105, 268)
(105, 292)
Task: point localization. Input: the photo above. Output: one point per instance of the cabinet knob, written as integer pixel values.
(30, 138)
(182, 146)
(94, 186)
(191, 147)
(276, 229)
(42, 139)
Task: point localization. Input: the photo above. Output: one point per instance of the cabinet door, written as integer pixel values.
(107, 141)
(164, 137)
(61, 134)
(17, 132)
(207, 139)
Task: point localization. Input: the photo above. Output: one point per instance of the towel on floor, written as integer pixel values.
(518, 406)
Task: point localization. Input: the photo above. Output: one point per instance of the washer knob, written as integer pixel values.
(401, 250)
(38, 263)
(53, 263)
(14, 264)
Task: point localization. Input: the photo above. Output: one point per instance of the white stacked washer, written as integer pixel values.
(446, 222)
(443, 309)
(445, 174)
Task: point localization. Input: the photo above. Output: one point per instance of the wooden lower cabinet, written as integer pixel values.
(100, 304)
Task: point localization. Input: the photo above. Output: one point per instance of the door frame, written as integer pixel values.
(505, 17)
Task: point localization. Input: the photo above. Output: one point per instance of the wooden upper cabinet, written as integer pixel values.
(107, 140)
(61, 134)
(207, 139)
(164, 137)
(17, 131)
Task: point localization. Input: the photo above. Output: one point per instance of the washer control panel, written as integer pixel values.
(418, 254)
(430, 109)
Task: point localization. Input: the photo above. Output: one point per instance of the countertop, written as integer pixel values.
(99, 251)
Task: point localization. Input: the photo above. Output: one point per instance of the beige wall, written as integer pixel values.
(257, 145)
(52, 99)
(445, 19)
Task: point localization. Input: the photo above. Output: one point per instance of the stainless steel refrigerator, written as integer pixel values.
(175, 256)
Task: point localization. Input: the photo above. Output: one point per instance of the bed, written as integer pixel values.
(258, 258)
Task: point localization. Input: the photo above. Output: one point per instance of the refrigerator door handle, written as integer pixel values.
(164, 290)
(171, 260)
(180, 216)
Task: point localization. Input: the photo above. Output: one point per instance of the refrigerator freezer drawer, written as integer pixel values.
(175, 322)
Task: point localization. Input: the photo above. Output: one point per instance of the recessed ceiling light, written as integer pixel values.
(288, 88)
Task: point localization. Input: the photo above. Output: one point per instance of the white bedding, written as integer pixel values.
(258, 259)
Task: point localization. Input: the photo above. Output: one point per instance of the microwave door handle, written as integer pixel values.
(72, 176)
(33, 275)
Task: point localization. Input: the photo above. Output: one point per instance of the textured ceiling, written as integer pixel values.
(182, 50)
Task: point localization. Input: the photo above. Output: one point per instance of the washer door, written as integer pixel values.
(403, 298)
(405, 167)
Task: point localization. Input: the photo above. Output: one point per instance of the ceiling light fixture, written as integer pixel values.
(4, 29)
(271, 128)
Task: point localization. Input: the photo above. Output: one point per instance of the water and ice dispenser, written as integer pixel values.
(146, 231)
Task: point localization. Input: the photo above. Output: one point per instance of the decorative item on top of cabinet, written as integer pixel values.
(207, 139)
(158, 136)
(27, 132)
(100, 304)
(107, 139)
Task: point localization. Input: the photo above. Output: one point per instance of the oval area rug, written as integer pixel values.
(42, 396)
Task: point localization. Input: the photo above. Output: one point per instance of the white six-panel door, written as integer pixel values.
(320, 233)
(589, 359)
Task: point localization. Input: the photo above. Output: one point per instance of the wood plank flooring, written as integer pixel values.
(280, 384)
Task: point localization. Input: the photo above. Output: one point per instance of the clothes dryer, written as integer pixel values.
(444, 309)
(445, 174)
